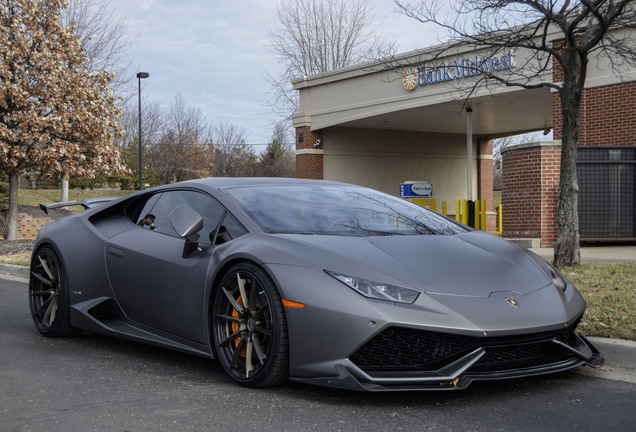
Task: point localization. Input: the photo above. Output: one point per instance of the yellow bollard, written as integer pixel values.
(444, 212)
(465, 212)
(483, 215)
(477, 213)
(499, 219)
(499, 222)
(458, 210)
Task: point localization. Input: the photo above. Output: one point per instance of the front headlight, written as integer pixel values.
(376, 290)
(557, 280)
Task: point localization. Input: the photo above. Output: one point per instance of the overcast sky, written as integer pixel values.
(213, 53)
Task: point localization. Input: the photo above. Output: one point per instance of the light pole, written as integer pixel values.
(469, 152)
(141, 75)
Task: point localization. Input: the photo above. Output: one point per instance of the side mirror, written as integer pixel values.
(187, 223)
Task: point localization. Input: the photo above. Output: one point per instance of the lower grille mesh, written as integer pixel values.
(403, 349)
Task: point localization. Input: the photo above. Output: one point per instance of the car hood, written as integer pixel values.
(473, 264)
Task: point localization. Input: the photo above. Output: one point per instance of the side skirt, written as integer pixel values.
(104, 316)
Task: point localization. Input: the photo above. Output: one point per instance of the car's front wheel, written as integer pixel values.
(249, 327)
(48, 294)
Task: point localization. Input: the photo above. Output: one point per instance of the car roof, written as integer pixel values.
(222, 182)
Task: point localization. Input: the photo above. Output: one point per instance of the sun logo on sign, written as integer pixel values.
(409, 79)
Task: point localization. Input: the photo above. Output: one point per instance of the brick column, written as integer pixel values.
(485, 181)
(309, 153)
(530, 191)
(550, 177)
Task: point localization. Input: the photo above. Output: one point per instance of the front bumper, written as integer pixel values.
(457, 372)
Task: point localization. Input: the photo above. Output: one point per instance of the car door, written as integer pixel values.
(152, 280)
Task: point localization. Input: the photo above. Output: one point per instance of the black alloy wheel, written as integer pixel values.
(48, 294)
(249, 328)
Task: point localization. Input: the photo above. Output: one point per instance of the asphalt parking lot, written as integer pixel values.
(96, 383)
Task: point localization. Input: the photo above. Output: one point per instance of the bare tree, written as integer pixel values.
(104, 38)
(281, 133)
(557, 34)
(152, 125)
(176, 160)
(152, 129)
(181, 152)
(279, 158)
(231, 155)
(104, 41)
(315, 36)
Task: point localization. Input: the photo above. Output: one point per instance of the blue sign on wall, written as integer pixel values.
(416, 189)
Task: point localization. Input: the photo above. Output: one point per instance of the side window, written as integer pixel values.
(207, 207)
(230, 228)
(138, 215)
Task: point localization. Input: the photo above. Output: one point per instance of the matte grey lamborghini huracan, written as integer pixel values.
(314, 281)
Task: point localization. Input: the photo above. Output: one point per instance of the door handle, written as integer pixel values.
(117, 253)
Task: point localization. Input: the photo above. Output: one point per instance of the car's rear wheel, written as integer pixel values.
(249, 328)
(48, 294)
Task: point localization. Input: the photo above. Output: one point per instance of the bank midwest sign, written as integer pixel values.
(464, 68)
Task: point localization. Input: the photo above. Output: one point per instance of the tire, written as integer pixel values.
(251, 342)
(49, 295)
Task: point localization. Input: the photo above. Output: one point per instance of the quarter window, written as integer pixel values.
(207, 207)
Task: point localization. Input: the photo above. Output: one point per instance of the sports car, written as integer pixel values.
(316, 282)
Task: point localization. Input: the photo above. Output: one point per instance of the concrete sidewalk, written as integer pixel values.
(14, 271)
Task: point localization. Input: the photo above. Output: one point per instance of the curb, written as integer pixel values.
(620, 360)
(617, 352)
(14, 270)
(620, 355)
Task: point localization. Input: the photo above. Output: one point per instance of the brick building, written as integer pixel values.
(379, 127)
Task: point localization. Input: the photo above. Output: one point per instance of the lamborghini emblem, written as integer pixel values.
(512, 302)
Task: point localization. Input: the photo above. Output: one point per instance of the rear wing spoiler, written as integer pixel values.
(87, 203)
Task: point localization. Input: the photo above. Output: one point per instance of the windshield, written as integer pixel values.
(337, 210)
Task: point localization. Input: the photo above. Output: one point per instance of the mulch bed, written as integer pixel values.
(10, 247)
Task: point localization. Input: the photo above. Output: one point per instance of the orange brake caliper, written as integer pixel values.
(236, 326)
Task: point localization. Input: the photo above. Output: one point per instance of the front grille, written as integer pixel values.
(403, 349)
(520, 356)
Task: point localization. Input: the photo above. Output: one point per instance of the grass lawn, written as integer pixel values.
(610, 292)
(21, 259)
(608, 288)
(35, 197)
